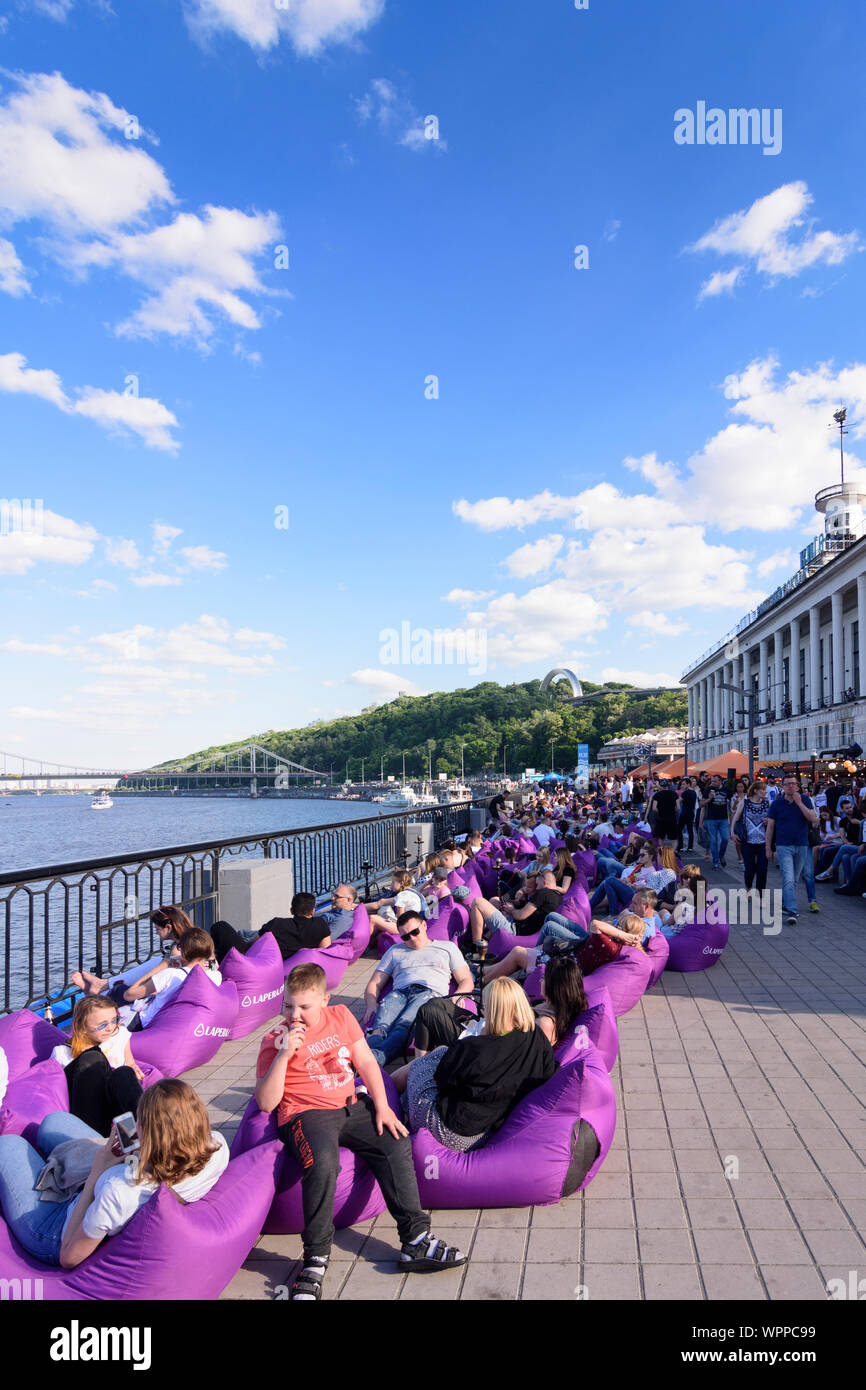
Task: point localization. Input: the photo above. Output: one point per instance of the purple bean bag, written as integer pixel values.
(191, 1028)
(698, 946)
(626, 979)
(167, 1251)
(585, 863)
(528, 1162)
(596, 1026)
(357, 1198)
(336, 958)
(501, 942)
(657, 949)
(258, 978)
(27, 1039)
(36, 1093)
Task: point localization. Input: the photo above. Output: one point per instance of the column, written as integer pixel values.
(838, 665)
(794, 666)
(742, 682)
(861, 632)
(763, 703)
(816, 675)
(778, 692)
(705, 707)
(690, 716)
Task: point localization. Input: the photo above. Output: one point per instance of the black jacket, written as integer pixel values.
(481, 1079)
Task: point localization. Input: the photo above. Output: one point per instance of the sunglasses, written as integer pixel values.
(409, 934)
(101, 1027)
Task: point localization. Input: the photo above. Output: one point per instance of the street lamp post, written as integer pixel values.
(462, 774)
(750, 696)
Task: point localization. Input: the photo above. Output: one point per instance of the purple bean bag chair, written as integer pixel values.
(336, 958)
(596, 1026)
(657, 949)
(167, 1251)
(530, 1160)
(34, 1094)
(698, 946)
(27, 1039)
(258, 978)
(357, 1198)
(191, 1028)
(501, 942)
(626, 980)
(585, 863)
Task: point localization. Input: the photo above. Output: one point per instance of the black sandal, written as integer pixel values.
(427, 1254)
(307, 1288)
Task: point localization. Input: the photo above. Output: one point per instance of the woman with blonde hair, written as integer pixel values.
(464, 1092)
(175, 1147)
(101, 1073)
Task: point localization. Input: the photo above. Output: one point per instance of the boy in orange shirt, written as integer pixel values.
(306, 1072)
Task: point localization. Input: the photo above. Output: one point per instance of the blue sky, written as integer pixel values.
(620, 458)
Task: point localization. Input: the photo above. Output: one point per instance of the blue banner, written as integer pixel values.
(582, 777)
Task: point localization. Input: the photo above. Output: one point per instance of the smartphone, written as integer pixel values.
(126, 1134)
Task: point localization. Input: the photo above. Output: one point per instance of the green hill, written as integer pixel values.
(485, 718)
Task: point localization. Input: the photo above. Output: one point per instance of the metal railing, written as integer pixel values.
(95, 914)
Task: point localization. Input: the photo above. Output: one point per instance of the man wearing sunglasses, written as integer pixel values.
(420, 969)
(340, 916)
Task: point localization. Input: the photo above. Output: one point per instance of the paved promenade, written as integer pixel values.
(755, 1068)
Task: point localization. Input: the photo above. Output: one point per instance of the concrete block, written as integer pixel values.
(252, 891)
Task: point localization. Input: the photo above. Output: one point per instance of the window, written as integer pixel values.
(801, 679)
(783, 742)
(768, 745)
(786, 683)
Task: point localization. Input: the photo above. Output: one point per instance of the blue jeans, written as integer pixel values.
(719, 833)
(607, 865)
(618, 894)
(843, 862)
(395, 1015)
(795, 860)
(560, 929)
(36, 1225)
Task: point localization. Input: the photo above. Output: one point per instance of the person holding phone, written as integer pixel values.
(175, 1146)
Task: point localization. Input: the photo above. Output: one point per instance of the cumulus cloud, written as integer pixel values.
(722, 282)
(250, 638)
(385, 683)
(763, 234)
(122, 552)
(48, 538)
(535, 557)
(163, 535)
(309, 25)
(465, 597)
(201, 557)
(13, 279)
(116, 412)
(153, 579)
(658, 623)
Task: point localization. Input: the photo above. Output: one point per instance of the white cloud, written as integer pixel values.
(95, 588)
(639, 678)
(782, 559)
(537, 625)
(37, 648)
(201, 557)
(762, 233)
(397, 117)
(141, 415)
(658, 623)
(64, 159)
(385, 683)
(50, 539)
(54, 9)
(13, 280)
(722, 282)
(163, 535)
(122, 552)
(194, 265)
(249, 638)
(535, 557)
(152, 579)
(611, 229)
(465, 597)
(309, 25)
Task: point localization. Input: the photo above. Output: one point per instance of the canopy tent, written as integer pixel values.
(733, 758)
(659, 769)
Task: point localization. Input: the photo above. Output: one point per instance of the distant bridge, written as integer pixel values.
(242, 765)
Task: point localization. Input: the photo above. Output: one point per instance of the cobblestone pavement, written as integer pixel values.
(737, 1167)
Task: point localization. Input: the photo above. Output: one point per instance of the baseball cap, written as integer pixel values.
(441, 874)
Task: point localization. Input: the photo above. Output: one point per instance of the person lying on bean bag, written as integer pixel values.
(103, 1077)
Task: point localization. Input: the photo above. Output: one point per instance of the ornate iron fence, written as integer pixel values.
(96, 914)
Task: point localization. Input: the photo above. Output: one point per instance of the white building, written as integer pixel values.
(801, 653)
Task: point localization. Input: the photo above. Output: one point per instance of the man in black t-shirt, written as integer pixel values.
(688, 800)
(664, 803)
(301, 931)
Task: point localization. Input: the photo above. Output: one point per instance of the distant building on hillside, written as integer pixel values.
(633, 749)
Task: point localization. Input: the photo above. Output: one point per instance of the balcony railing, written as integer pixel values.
(96, 914)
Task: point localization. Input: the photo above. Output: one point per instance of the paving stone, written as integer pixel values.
(554, 1282)
(713, 1214)
(665, 1247)
(830, 1246)
(722, 1247)
(671, 1282)
(762, 1214)
(780, 1247)
(794, 1281)
(490, 1282)
(609, 1246)
(507, 1244)
(728, 1282)
(609, 1213)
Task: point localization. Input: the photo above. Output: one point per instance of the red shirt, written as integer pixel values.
(320, 1075)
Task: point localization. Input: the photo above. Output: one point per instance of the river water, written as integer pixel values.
(37, 831)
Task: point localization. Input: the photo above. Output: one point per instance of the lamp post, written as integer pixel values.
(750, 696)
(462, 774)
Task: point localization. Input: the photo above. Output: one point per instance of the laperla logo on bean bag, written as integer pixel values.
(207, 1030)
(713, 950)
(249, 1000)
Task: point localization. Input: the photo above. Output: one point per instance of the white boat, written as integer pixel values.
(101, 802)
(398, 798)
(457, 792)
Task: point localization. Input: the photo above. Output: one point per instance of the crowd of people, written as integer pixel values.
(457, 1030)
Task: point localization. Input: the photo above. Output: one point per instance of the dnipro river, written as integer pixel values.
(37, 831)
